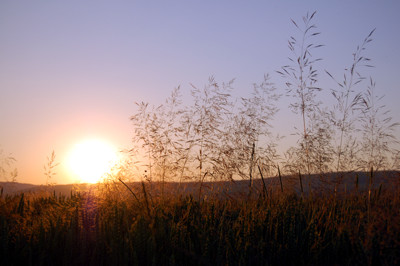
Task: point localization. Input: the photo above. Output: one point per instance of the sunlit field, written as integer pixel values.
(205, 182)
(109, 225)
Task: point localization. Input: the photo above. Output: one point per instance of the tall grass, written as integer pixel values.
(280, 228)
(219, 137)
(8, 172)
(301, 76)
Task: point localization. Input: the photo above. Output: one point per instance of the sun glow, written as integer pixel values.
(91, 159)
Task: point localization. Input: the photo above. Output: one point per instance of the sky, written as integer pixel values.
(73, 70)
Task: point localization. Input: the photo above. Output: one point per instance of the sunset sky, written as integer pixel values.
(72, 70)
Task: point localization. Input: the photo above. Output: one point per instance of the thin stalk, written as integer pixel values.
(301, 183)
(303, 102)
(369, 192)
(280, 178)
(262, 178)
(251, 168)
(145, 198)
(201, 184)
(130, 190)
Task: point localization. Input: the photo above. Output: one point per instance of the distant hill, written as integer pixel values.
(315, 183)
(17, 188)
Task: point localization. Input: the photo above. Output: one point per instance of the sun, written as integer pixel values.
(89, 160)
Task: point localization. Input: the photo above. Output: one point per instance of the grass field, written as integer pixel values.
(109, 226)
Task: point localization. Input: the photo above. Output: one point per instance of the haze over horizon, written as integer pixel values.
(71, 71)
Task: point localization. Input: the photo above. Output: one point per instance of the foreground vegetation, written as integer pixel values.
(119, 227)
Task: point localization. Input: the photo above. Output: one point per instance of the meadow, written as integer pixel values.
(111, 225)
(206, 185)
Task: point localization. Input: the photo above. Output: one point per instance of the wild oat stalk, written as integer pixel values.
(302, 78)
(247, 140)
(49, 170)
(377, 132)
(348, 100)
(157, 132)
(211, 108)
(7, 172)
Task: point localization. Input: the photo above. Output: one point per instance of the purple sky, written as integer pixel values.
(71, 70)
